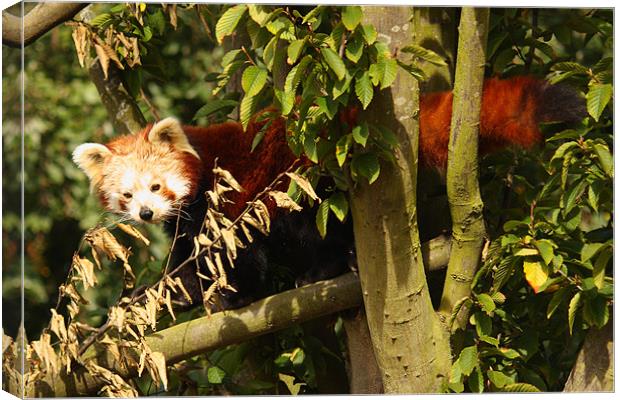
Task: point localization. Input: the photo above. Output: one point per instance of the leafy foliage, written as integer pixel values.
(547, 277)
(317, 68)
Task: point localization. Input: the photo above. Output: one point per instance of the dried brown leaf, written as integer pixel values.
(159, 362)
(229, 239)
(81, 39)
(132, 231)
(45, 352)
(283, 200)
(57, 325)
(177, 280)
(116, 318)
(228, 178)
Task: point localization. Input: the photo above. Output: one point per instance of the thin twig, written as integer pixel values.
(152, 108)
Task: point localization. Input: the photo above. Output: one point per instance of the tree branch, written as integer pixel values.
(217, 330)
(466, 206)
(223, 328)
(41, 19)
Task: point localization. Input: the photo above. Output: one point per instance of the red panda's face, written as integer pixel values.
(142, 177)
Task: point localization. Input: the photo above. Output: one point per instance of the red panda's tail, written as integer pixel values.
(512, 110)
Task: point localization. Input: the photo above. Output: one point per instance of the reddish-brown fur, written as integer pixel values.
(231, 146)
(508, 117)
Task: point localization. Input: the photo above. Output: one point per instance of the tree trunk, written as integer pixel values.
(594, 368)
(462, 174)
(364, 373)
(411, 350)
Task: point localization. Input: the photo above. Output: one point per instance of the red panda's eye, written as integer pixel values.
(155, 188)
(127, 195)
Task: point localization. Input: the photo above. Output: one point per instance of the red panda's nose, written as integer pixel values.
(146, 213)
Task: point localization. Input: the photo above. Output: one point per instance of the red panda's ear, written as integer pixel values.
(89, 157)
(169, 131)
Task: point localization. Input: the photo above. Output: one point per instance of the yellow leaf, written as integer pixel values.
(536, 274)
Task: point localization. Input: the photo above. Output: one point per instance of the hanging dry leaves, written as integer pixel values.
(283, 200)
(45, 352)
(81, 39)
(85, 271)
(132, 231)
(57, 325)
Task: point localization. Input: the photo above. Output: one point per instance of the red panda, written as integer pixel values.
(146, 176)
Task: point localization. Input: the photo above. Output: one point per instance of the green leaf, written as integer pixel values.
(596, 311)
(342, 86)
(334, 62)
(520, 387)
(597, 98)
(262, 14)
(270, 51)
(228, 22)
(572, 311)
(486, 303)
(339, 205)
(310, 148)
(369, 33)
(295, 49)
(598, 272)
(556, 300)
(606, 160)
(589, 250)
(564, 147)
(413, 70)
(354, 49)
(468, 360)
(292, 82)
(322, 214)
(327, 107)
(483, 323)
(298, 356)
(525, 252)
(574, 195)
(425, 54)
(367, 165)
(214, 106)
(253, 80)
(246, 110)
(387, 136)
(567, 66)
(293, 388)
(361, 133)
(363, 89)
(383, 71)
(100, 19)
(475, 381)
(312, 14)
(342, 148)
(545, 248)
(215, 375)
(499, 379)
(351, 16)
